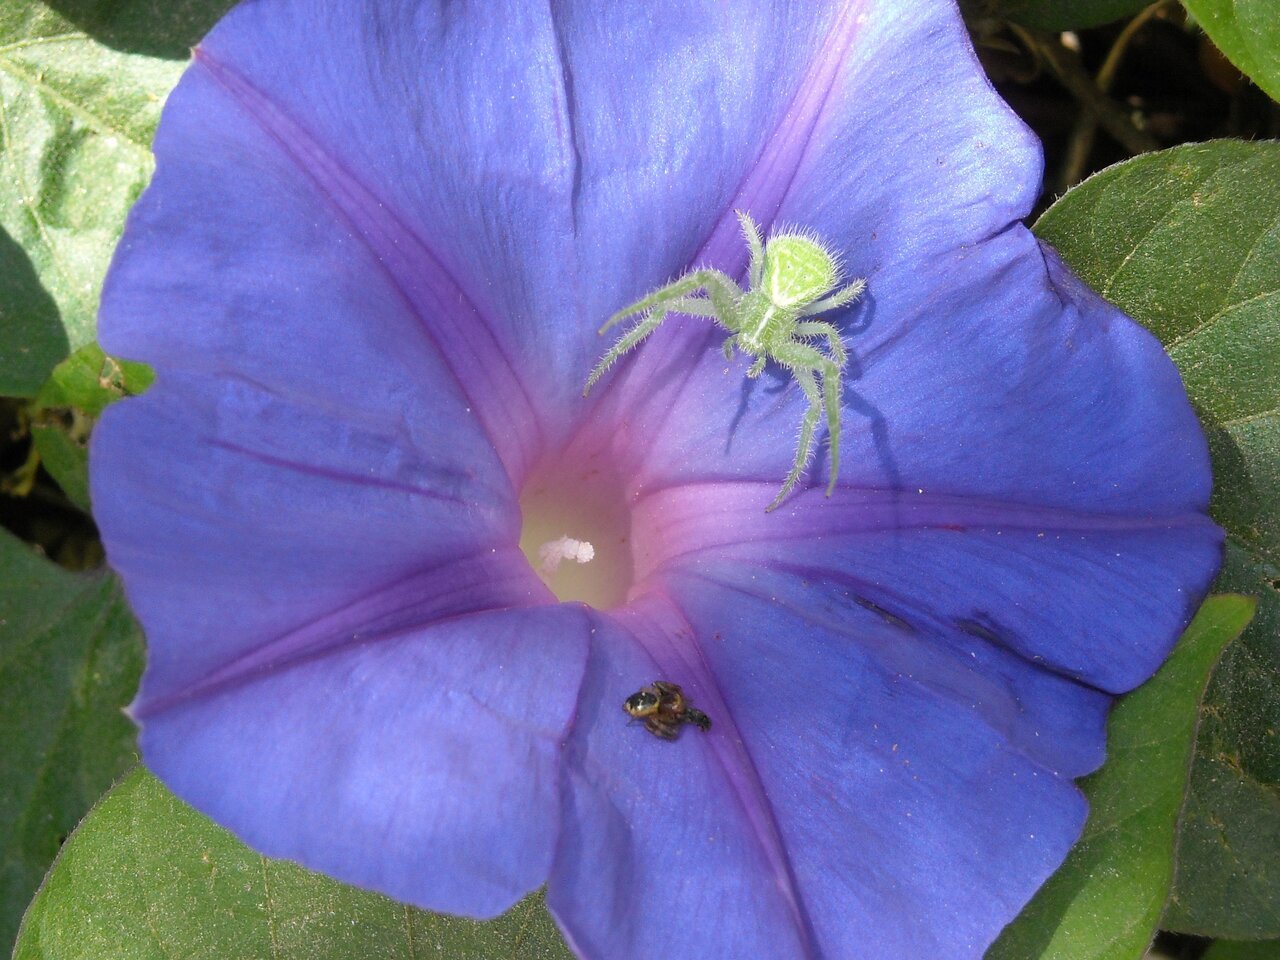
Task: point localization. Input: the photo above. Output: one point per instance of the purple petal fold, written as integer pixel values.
(238, 515)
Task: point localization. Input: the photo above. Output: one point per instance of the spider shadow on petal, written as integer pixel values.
(860, 312)
(852, 321)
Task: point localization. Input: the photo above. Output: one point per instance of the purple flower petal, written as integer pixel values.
(992, 372)
(531, 135)
(369, 272)
(838, 806)
(412, 760)
(1123, 586)
(895, 150)
(656, 843)
(238, 515)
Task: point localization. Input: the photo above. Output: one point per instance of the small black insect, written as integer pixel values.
(663, 708)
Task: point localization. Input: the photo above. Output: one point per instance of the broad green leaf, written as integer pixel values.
(1059, 14)
(63, 413)
(1106, 901)
(145, 876)
(1188, 242)
(76, 121)
(70, 657)
(1248, 32)
(81, 84)
(1259, 950)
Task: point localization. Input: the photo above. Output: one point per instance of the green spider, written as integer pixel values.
(791, 277)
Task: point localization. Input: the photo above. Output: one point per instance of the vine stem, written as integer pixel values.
(1083, 134)
(1072, 74)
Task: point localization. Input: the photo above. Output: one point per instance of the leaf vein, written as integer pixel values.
(1226, 309)
(270, 909)
(1162, 221)
(408, 933)
(1250, 417)
(28, 42)
(79, 110)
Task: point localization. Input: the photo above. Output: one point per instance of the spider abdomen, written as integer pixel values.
(797, 271)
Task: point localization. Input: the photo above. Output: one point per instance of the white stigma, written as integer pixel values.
(555, 552)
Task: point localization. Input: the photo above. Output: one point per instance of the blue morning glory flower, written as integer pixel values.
(369, 273)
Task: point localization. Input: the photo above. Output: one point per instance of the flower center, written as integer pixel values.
(577, 533)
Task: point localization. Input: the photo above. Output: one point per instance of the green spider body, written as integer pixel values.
(792, 278)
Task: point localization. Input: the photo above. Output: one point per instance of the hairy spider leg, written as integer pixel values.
(713, 281)
(755, 244)
(828, 331)
(803, 361)
(627, 341)
(807, 383)
(831, 389)
(837, 299)
(723, 293)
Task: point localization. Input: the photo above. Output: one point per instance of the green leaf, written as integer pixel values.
(147, 876)
(1188, 242)
(1229, 867)
(90, 381)
(81, 84)
(76, 121)
(1059, 14)
(1227, 950)
(31, 336)
(1248, 32)
(64, 411)
(159, 28)
(1106, 901)
(70, 658)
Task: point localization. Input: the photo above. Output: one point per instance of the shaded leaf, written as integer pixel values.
(1248, 32)
(31, 336)
(1260, 950)
(160, 28)
(1188, 242)
(1106, 900)
(147, 876)
(70, 658)
(1229, 861)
